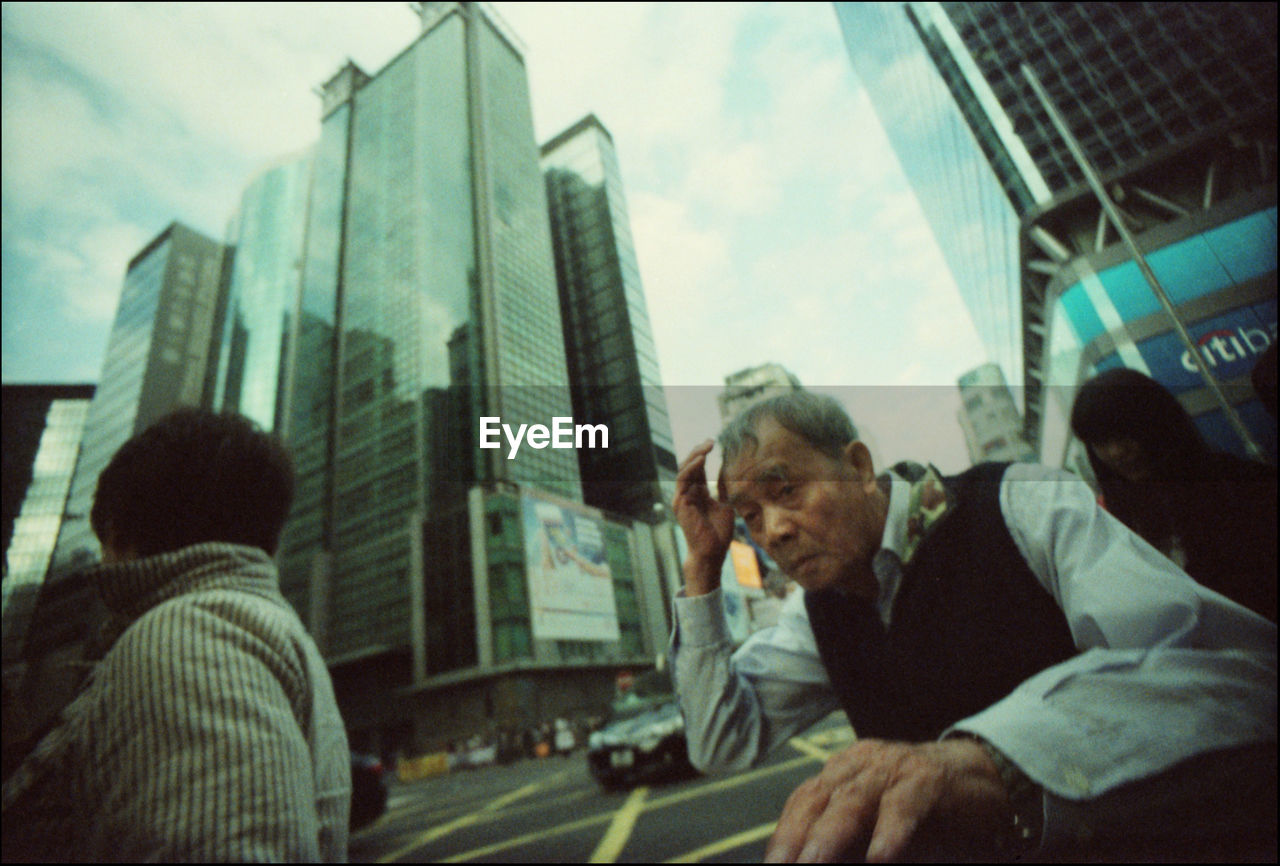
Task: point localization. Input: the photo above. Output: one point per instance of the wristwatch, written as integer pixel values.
(1023, 832)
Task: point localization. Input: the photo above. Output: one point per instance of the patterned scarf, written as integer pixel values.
(926, 504)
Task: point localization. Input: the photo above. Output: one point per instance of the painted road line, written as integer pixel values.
(429, 812)
(737, 840)
(842, 734)
(466, 820)
(591, 821)
(816, 752)
(624, 821)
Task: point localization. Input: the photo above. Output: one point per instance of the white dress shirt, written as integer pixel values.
(1167, 668)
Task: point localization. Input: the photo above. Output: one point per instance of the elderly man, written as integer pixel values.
(209, 730)
(1026, 677)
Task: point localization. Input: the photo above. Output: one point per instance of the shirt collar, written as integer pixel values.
(887, 563)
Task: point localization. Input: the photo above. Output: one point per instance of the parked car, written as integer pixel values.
(643, 738)
(368, 790)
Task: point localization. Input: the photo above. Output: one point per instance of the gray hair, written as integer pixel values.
(816, 418)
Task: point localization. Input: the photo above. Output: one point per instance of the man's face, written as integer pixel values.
(820, 518)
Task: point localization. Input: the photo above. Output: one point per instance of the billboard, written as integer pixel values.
(570, 586)
(745, 566)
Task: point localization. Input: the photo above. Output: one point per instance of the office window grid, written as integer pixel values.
(1128, 77)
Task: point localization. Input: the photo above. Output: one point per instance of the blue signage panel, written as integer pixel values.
(1230, 344)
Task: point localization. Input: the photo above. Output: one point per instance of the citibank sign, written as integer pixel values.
(1227, 346)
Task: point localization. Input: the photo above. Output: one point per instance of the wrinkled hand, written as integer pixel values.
(878, 797)
(706, 521)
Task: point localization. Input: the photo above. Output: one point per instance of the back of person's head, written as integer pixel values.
(816, 418)
(1125, 404)
(194, 476)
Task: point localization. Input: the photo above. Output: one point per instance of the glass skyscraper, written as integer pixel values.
(952, 175)
(613, 365)
(428, 300)
(1175, 105)
(158, 358)
(267, 235)
(43, 425)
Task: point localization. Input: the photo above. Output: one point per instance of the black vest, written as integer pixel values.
(970, 623)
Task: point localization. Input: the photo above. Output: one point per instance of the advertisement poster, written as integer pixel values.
(745, 566)
(570, 587)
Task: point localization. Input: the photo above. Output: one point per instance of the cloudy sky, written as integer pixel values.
(771, 219)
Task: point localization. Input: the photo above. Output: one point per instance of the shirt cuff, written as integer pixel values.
(700, 619)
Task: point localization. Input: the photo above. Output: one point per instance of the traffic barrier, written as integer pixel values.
(425, 766)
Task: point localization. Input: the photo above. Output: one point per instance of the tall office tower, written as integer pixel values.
(745, 388)
(421, 560)
(158, 358)
(262, 295)
(42, 426)
(990, 420)
(1175, 105)
(613, 365)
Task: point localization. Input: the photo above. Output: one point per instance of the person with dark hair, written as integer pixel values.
(1212, 513)
(1025, 678)
(209, 729)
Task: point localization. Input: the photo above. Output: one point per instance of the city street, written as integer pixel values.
(552, 811)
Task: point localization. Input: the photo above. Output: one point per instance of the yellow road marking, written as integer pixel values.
(842, 734)
(746, 837)
(466, 820)
(593, 820)
(624, 821)
(816, 752)
(428, 812)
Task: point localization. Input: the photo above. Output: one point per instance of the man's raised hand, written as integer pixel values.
(707, 523)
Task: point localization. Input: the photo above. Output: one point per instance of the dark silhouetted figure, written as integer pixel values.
(1212, 513)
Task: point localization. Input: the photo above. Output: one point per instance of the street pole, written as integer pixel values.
(1077, 152)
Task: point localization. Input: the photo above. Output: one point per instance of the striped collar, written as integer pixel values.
(129, 589)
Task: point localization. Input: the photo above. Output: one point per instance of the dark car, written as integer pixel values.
(643, 738)
(368, 790)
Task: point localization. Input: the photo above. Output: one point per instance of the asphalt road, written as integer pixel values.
(552, 811)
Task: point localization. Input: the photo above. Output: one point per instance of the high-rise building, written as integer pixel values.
(158, 358)
(262, 296)
(748, 387)
(428, 301)
(42, 426)
(613, 365)
(990, 420)
(1174, 104)
(449, 586)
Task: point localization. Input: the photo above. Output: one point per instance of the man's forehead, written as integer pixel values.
(772, 453)
(738, 477)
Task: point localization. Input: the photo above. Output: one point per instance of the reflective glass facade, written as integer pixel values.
(34, 529)
(612, 360)
(428, 298)
(526, 377)
(952, 170)
(267, 234)
(1129, 78)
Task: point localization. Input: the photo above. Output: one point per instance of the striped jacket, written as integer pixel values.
(209, 731)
